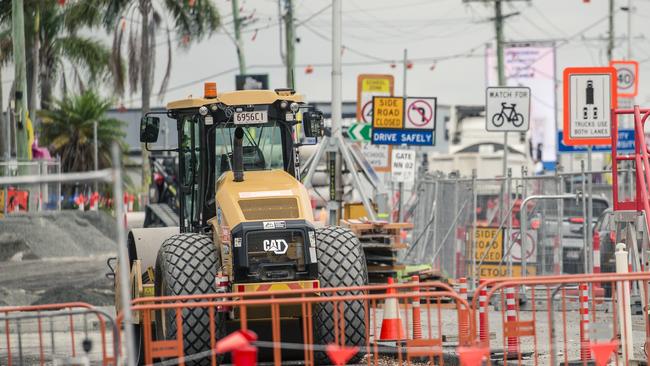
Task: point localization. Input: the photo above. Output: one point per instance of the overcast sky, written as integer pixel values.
(375, 33)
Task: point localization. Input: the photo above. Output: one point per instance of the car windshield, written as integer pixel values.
(262, 147)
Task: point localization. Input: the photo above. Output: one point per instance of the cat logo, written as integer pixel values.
(277, 246)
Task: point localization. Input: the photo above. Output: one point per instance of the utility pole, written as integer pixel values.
(4, 126)
(610, 43)
(238, 40)
(334, 155)
(290, 39)
(20, 93)
(629, 29)
(498, 27)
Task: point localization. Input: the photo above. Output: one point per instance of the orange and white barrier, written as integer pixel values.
(511, 311)
(417, 316)
(585, 354)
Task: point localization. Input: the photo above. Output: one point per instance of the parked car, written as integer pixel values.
(572, 232)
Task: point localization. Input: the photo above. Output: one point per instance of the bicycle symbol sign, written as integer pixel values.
(507, 109)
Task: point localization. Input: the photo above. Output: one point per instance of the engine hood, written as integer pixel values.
(267, 195)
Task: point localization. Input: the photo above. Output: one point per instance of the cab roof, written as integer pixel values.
(240, 97)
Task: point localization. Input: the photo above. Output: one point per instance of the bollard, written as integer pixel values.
(417, 320)
(463, 321)
(623, 297)
(585, 353)
(511, 312)
(596, 244)
(482, 315)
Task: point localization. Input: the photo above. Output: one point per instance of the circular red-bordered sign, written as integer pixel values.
(420, 107)
(366, 112)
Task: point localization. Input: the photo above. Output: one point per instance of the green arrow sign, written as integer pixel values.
(360, 132)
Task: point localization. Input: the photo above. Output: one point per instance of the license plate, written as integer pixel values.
(253, 117)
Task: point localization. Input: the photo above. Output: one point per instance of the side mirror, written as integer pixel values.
(149, 127)
(312, 121)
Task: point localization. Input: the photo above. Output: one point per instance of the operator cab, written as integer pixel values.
(273, 124)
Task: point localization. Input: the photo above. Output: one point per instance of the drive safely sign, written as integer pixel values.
(399, 137)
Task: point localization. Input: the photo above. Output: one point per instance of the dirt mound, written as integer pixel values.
(90, 295)
(56, 234)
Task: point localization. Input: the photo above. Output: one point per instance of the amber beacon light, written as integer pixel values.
(210, 90)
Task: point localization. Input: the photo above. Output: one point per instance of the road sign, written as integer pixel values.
(589, 96)
(420, 113)
(531, 246)
(493, 270)
(360, 132)
(378, 156)
(625, 144)
(627, 77)
(507, 109)
(483, 237)
(387, 112)
(368, 86)
(401, 137)
(252, 82)
(403, 166)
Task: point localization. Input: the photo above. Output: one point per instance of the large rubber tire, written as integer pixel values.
(187, 265)
(341, 263)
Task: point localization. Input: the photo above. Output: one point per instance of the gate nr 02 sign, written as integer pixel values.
(589, 97)
(507, 109)
(403, 166)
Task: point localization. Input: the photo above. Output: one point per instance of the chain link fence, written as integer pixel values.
(469, 227)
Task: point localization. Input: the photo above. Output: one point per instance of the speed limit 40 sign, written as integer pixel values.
(627, 77)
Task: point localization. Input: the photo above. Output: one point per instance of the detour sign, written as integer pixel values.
(486, 270)
(484, 236)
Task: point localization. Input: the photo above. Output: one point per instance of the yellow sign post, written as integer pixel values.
(387, 112)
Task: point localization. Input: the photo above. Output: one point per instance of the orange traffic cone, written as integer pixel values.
(391, 325)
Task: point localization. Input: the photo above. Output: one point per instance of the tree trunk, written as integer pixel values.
(3, 125)
(146, 78)
(47, 83)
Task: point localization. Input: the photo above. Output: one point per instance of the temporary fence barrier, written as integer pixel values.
(565, 317)
(34, 196)
(441, 310)
(112, 176)
(450, 212)
(35, 335)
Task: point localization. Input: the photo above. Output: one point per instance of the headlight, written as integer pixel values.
(294, 107)
(203, 110)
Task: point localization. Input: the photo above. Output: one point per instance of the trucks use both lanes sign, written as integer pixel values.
(507, 109)
(589, 96)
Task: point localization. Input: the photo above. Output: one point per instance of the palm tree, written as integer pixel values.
(68, 131)
(53, 40)
(192, 20)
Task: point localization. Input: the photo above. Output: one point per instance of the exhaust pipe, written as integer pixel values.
(238, 155)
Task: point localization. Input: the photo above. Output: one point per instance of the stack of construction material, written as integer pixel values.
(380, 241)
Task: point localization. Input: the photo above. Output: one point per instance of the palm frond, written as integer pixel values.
(80, 14)
(198, 21)
(89, 53)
